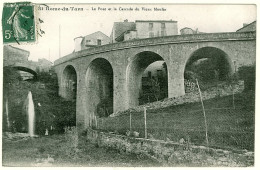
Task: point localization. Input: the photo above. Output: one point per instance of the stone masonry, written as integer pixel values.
(125, 62)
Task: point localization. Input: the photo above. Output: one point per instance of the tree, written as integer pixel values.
(248, 74)
(155, 89)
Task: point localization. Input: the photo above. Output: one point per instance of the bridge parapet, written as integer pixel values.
(229, 36)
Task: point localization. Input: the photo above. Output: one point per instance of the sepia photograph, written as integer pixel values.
(128, 84)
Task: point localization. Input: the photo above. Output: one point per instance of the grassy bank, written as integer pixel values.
(228, 127)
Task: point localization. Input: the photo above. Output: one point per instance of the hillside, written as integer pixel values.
(228, 127)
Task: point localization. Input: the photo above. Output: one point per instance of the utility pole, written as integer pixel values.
(203, 109)
(59, 40)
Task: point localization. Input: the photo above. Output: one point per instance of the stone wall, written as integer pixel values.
(221, 90)
(170, 153)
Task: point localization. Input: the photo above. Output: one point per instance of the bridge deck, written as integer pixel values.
(229, 36)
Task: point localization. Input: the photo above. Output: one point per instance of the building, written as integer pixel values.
(123, 31)
(156, 28)
(43, 65)
(155, 70)
(119, 29)
(14, 55)
(187, 30)
(92, 40)
(248, 27)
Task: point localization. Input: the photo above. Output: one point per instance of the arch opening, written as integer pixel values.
(99, 88)
(147, 79)
(69, 83)
(209, 65)
(26, 73)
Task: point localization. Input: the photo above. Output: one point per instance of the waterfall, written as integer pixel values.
(31, 115)
(7, 114)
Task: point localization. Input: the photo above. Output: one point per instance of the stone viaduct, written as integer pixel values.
(115, 70)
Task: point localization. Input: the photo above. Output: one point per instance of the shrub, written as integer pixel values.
(247, 73)
(71, 143)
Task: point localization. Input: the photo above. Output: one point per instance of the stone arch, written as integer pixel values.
(99, 88)
(134, 73)
(69, 83)
(25, 69)
(222, 66)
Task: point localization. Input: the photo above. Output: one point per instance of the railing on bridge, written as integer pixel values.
(160, 40)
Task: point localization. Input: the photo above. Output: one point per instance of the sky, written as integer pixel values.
(207, 18)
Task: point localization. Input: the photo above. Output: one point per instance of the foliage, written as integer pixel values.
(203, 70)
(248, 74)
(55, 111)
(155, 89)
(10, 77)
(14, 90)
(191, 76)
(105, 107)
(71, 142)
(51, 111)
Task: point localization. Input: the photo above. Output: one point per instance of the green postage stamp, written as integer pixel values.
(18, 23)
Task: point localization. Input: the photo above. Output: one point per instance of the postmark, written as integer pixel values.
(18, 23)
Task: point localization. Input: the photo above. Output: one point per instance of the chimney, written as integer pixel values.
(126, 20)
(77, 43)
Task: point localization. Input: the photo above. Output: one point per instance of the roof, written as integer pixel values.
(97, 32)
(121, 27)
(156, 21)
(19, 49)
(246, 26)
(78, 37)
(85, 37)
(186, 28)
(121, 36)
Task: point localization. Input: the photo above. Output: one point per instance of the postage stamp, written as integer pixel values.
(18, 23)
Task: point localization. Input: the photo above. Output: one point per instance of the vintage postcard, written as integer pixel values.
(128, 84)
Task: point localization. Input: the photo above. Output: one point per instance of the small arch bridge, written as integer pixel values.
(25, 66)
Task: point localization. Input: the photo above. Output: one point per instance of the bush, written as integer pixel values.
(51, 112)
(105, 107)
(247, 73)
(71, 137)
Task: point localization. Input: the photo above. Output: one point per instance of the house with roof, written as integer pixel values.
(248, 27)
(156, 28)
(123, 31)
(12, 55)
(119, 29)
(187, 30)
(92, 40)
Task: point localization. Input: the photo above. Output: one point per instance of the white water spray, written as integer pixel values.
(31, 115)
(7, 114)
